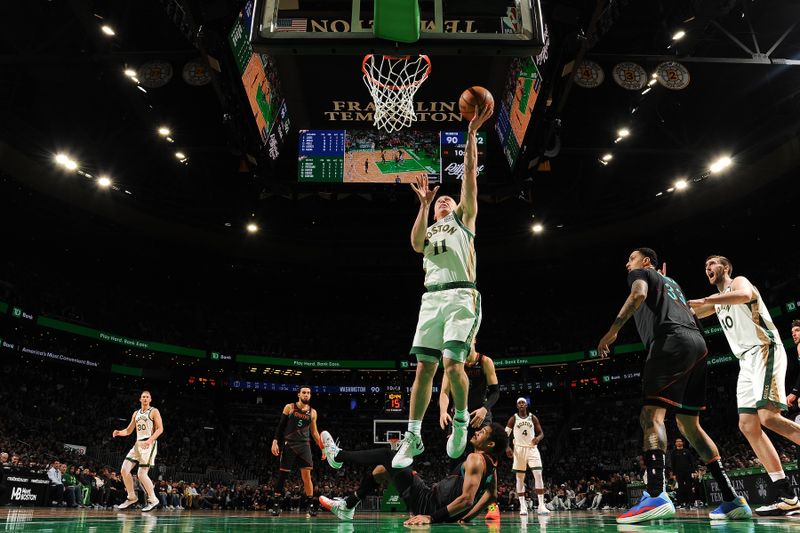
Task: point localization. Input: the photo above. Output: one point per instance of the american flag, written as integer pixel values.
(294, 25)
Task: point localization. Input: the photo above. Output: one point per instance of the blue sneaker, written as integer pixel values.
(737, 509)
(648, 508)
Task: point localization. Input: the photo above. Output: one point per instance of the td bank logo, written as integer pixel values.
(16, 312)
(215, 356)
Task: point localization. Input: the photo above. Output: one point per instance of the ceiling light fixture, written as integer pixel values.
(130, 72)
(681, 185)
(720, 164)
(252, 228)
(678, 35)
(104, 182)
(164, 131)
(623, 132)
(537, 228)
(647, 91)
(108, 30)
(608, 157)
(180, 155)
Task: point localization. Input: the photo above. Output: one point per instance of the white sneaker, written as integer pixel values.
(457, 441)
(338, 507)
(126, 504)
(151, 505)
(523, 511)
(331, 449)
(410, 447)
(781, 507)
(543, 510)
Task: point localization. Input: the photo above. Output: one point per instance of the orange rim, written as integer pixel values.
(377, 83)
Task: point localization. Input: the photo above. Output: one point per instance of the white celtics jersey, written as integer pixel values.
(144, 424)
(746, 325)
(449, 254)
(523, 431)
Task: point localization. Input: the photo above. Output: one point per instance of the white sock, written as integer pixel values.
(541, 499)
(777, 476)
(522, 504)
(461, 416)
(415, 427)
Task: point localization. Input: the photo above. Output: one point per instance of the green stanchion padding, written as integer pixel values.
(391, 501)
(397, 20)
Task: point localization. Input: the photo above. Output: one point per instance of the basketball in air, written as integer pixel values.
(473, 98)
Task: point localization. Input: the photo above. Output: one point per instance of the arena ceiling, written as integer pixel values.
(63, 89)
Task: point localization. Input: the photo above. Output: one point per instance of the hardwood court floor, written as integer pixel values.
(67, 521)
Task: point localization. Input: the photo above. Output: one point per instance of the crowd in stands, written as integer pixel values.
(591, 449)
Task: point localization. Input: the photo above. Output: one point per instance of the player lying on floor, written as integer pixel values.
(459, 497)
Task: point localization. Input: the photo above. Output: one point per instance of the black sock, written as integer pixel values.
(352, 500)
(311, 502)
(378, 456)
(718, 471)
(654, 460)
(277, 489)
(784, 488)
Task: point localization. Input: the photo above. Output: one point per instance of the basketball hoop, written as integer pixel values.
(392, 81)
(394, 443)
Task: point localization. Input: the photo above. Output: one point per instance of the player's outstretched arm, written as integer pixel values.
(635, 300)
(128, 430)
(488, 496)
(510, 433)
(425, 197)
(492, 393)
(741, 292)
(468, 206)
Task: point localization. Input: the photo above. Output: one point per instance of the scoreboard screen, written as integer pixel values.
(395, 402)
(519, 98)
(369, 156)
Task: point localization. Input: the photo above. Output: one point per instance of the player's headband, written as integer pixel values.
(521, 399)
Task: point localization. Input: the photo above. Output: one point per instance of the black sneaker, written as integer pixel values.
(781, 507)
(312, 510)
(275, 508)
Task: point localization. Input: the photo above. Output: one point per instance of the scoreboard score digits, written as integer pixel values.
(394, 403)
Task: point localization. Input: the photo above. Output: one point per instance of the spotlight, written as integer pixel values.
(108, 30)
(180, 155)
(537, 228)
(608, 157)
(652, 82)
(680, 34)
(623, 132)
(647, 91)
(71, 165)
(130, 72)
(140, 87)
(681, 185)
(62, 159)
(720, 164)
(252, 228)
(164, 131)
(104, 182)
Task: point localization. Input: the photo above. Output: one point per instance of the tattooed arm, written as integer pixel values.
(635, 299)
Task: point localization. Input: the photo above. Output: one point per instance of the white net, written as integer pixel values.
(392, 81)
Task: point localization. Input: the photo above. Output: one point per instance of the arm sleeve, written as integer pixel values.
(492, 395)
(796, 389)
(281, 428)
